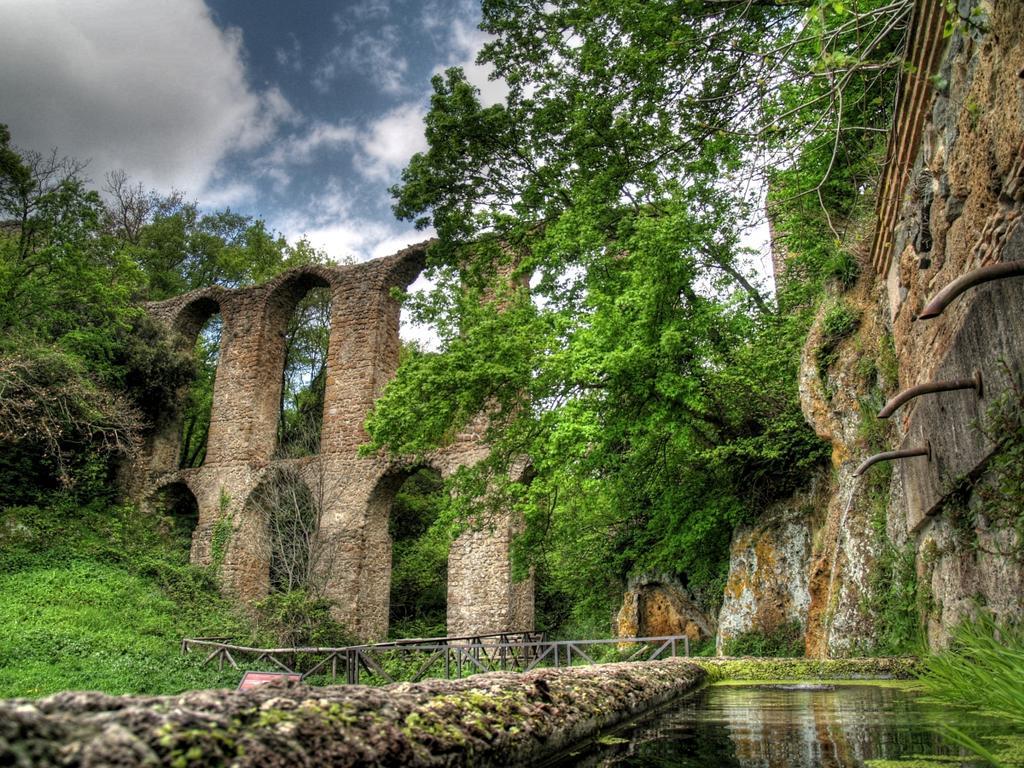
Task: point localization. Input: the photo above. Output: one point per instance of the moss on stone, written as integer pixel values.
(900, 668)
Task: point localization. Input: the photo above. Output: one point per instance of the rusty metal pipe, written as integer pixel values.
(928, 388)
(975, 277)
(890, 455)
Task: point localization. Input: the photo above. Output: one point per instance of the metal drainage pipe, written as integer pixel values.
(891, 455)
(928, 388)
(975, 277)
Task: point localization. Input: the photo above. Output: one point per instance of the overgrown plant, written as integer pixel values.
(292, 504)
(1001, 493)
(896, 599)
(982, 669)
(838, 323)
(785, 640)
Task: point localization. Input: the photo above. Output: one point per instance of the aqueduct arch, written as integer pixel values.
(362, 356)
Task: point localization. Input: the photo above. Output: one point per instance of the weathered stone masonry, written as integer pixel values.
(356, 492)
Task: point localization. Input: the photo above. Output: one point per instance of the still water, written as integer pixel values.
(764, 726)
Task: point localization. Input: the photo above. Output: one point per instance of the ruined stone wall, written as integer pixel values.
(355, 493)
(957, 208)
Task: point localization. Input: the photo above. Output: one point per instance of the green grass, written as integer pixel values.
(98, 598)
(983, 670)
(785, 640)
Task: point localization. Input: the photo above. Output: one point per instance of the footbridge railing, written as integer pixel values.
(449, 657)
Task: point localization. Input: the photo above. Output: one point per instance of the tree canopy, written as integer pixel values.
(593, 298)
(83, 369)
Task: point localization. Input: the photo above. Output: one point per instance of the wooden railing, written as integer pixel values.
(437, 656)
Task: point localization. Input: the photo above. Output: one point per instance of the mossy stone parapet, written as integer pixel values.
(497, 719)
(753, 669)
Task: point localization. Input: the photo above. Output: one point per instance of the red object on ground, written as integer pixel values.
(252, 680)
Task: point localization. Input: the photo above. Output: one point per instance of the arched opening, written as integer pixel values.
(290, 514)
(304, 373)
(197, 407)
(178, 513)
(419, 557)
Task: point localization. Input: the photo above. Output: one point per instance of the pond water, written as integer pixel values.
(767, 726)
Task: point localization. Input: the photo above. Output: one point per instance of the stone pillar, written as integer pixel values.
(358, 547)
(482, 597)
(237, 384)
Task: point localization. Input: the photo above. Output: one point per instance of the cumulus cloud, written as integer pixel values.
(155, 88)
(390, 140)
(334, 220)
(300, 148)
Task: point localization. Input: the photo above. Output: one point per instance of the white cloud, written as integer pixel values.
(467, 40)
(290, 56)
(373, 54)
(331, 221)
(388, 143)
(367, 9)
(356, 238)
(154, 88)
(301, 148)
(455, 31)
(236, 195)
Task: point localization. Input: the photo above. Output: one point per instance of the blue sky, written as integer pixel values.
(303, 113)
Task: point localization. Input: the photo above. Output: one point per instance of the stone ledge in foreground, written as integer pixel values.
(496, 719)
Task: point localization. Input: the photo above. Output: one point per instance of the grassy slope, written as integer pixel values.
(99, 598)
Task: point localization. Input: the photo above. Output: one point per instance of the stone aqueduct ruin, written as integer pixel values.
(356, 492)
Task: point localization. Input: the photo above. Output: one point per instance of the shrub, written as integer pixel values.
(785, 640)
(296, 618)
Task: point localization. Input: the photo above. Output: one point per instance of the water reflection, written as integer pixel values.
(770, 727)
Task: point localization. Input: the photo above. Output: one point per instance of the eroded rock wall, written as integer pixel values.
(658, 605)
(959, 202)
(951, 201)
(767, 587)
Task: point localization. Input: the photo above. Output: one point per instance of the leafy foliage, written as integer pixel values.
(195, 423)
(304, 378)
(983, 669)
(839, 323)
(786, 640)
(593, 300)
(419, 558)
(294, 618)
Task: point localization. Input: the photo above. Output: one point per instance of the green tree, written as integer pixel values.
(647, 372)
(304, 377)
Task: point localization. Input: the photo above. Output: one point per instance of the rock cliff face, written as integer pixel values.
(934, 527)
(767, 588)
(657, 606)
